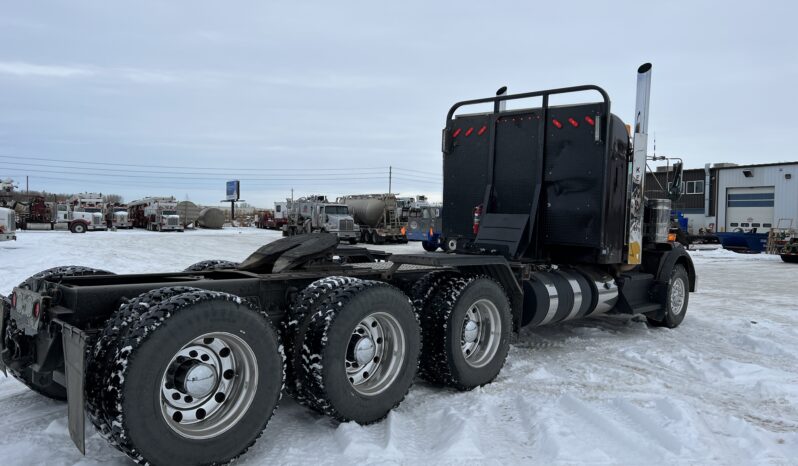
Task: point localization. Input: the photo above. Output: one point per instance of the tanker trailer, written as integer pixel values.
(211, 217)
(379, 217)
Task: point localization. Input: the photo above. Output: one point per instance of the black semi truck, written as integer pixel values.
(545, 220)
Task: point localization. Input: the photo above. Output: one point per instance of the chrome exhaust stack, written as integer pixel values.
(637, 175)
(500, 106)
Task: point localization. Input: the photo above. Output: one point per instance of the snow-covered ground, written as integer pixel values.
(722, 388)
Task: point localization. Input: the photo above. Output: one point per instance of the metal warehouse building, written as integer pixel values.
(728, 197)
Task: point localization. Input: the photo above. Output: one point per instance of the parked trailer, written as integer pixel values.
(187, 367)
(211, 218)
(379, 217)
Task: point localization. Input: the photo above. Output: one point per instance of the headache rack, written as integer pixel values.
(550, 177)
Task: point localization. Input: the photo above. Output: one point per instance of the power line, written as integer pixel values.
(417, 171)
(198, 185)
(127, 170)
(192, 178)
(225, 170)
(438, 183)
(183, 167)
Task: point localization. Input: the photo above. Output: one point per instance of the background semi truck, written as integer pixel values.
(117, 216)
(187, 367)
(316, 214)
(379, 217)
(8, 224)
(155, 214)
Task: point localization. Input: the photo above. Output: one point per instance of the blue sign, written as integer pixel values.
(233, 190)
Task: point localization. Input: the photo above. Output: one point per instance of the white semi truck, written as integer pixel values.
(85, 213)
(155, 214)
(315, 213)
(8, 225)
(117, 216)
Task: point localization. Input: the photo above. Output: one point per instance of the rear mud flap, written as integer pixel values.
(2, 335)
(75, 343)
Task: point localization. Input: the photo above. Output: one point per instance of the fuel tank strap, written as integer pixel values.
(554, 300)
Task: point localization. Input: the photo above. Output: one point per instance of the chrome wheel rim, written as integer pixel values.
(208, 385)
(375, 354)
(480, 333)
(677, 296)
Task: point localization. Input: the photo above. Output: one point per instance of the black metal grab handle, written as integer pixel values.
(526, 95)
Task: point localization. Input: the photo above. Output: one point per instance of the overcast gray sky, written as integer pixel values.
(339, 91)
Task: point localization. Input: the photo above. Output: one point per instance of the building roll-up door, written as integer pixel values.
(749, 208)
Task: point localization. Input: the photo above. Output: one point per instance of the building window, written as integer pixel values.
(694, 187)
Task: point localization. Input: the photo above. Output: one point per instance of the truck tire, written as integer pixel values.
(211, 264)
(359, 353)
(353, 241)
(378, 239)
(425, 287)
(52, 389)
(676, 299)
(296, 325)
(155, 411)
(466, 326)
(101, 357)
(428, 246)
(78, 227)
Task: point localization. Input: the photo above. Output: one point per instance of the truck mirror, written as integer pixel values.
(675, 188)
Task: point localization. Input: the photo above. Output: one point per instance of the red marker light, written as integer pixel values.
(456, 132)
(590, 121)
(556, 123)
(36, 310)
(469, 131)
(573, 122)
(482, 130)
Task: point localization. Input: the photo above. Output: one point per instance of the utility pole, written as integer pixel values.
(26, 184)
(390, 177)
